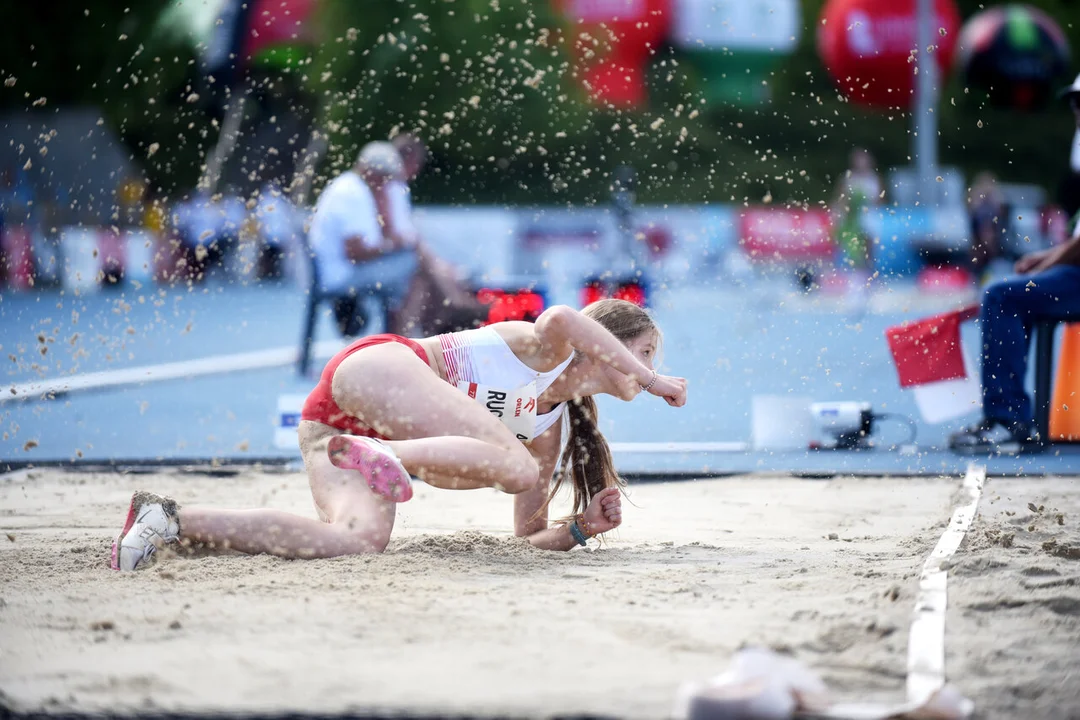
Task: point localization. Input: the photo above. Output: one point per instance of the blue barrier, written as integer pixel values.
(893, 232)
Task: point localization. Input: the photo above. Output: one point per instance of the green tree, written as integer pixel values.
(810, 128)
(490, 85)
(106, 55)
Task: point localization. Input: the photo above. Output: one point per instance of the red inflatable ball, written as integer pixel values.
(868, 47)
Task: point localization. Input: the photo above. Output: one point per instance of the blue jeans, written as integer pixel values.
(1009, 310)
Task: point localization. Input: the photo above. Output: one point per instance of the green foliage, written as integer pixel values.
(491, 85)
(543, 144)
(70, 53)
(810, 128)
(107, 55)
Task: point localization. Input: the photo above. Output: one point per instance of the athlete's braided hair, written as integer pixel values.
(586, 458)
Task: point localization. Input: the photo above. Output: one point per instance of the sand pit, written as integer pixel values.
(458, 617)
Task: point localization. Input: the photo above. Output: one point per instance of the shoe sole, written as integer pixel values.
(383, 472)
(115, 559)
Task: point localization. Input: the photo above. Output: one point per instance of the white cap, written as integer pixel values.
(382, 158)
(1073, 89)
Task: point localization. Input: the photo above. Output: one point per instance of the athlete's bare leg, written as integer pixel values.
(435, 430)
(353, 519)
(440, 436)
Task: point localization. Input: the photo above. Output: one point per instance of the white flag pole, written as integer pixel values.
(924, 142)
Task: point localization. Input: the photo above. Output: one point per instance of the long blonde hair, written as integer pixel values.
(586, 458)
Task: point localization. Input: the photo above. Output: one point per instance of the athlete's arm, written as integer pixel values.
(390, 222)
(1067, 254)
(357, 249)
(561, 328)
(530, 508)
(530, 511)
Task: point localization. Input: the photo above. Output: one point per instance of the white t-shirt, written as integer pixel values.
(277, 218)
(869, 184)
(1074, 159)
(346, 208)
(199, 219)
(399, 200)
(233, 215)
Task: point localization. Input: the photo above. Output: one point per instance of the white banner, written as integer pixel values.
(749, 25)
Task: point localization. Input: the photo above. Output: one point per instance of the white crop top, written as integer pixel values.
(482, 365)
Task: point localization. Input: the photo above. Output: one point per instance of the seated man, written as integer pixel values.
(445, 304)
(353, 257)
(1049, 288)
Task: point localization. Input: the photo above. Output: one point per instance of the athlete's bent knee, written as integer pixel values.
(524, 474)
(363, 545)
(351, 542)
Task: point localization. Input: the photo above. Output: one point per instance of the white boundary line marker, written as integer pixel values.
(214, 365)
(926, 641)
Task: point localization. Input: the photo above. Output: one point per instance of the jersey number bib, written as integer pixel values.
(516, 409)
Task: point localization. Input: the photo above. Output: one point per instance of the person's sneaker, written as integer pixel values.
(385, 474)
(151, 522)
(994, 437)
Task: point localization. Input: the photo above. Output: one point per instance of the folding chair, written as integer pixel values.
(349, 311)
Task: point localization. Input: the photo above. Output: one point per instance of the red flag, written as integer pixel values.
(928, 351)
(932, 364)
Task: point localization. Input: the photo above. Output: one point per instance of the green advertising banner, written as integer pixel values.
(733, 44)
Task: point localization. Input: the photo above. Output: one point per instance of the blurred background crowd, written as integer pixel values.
(208, 127)
(878, 153)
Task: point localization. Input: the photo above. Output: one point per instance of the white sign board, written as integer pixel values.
(287, 420)
(747, 25)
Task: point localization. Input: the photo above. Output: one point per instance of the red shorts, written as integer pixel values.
(320, 405)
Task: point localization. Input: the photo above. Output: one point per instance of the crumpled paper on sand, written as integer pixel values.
(764, 685)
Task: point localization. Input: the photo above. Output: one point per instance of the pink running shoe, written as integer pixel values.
(378, 464)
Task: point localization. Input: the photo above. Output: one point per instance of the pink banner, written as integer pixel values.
(112, 255)
(16, 247)
(785, 235)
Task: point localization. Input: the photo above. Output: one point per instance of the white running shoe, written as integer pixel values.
(151, 522)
